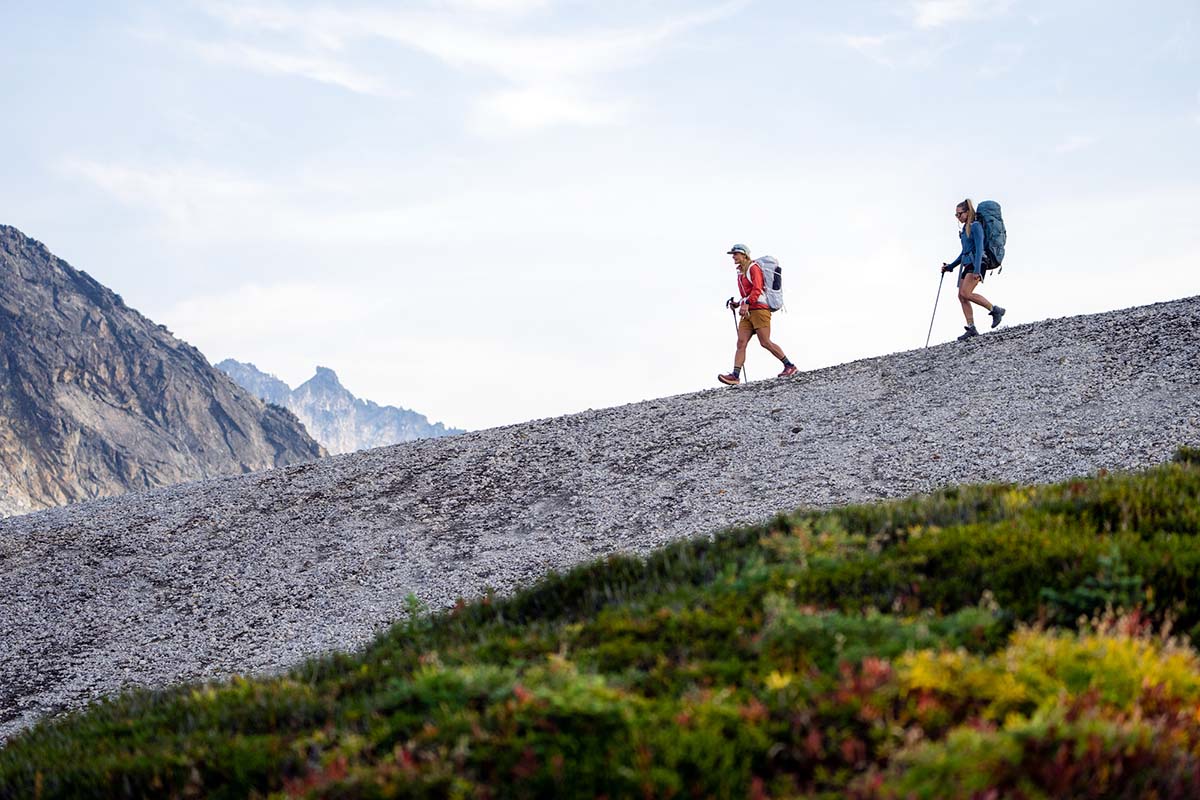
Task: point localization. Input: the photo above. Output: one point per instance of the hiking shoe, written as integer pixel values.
(970, 331)
(788, 371)
(997, 314)
(729, 379)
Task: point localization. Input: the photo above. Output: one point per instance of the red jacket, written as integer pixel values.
(751, 288)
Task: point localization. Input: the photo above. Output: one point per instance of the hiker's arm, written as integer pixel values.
(756, 284)
(977, 238)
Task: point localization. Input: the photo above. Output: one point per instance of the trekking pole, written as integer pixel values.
(935, 302)
(733, 311)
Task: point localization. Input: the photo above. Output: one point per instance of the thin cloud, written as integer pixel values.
(533, 107)
(322, 70)
(197, 202)
(871, 46)
(254, 311)
(498, 6)
(912, 46)
(1182, 45)
(1073, 144)
(551, 76)
(1005, 57)
(191, 203)
(901, 49)
(528, 58)
(181, 195)
(938, 13)
(932, 14)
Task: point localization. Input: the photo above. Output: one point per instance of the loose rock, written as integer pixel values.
(252, 574)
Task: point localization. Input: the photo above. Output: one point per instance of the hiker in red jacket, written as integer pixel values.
(755, 316)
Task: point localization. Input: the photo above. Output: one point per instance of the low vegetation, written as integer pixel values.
(985, 641)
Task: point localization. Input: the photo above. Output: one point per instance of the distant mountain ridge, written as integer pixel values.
(97, 400)
(341, 422)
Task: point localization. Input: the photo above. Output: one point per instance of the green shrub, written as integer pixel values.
(1112, 587)
(881, 650)
(1187, 455)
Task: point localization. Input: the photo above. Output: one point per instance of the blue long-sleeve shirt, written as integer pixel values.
(971, 257)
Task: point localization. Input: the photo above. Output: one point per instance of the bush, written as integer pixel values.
(1107, 714)
(873, 651)
(1187, 455)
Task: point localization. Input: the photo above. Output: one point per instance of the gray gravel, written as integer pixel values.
(253, 573)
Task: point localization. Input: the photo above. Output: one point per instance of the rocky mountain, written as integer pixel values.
(97, 400)
(253, 573)
(341, 422)
(260, 384)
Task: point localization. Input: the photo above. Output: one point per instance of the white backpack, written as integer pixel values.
(772, 281)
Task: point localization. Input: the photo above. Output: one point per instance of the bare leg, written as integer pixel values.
(739, 355)
(967, 295)
(764, 338)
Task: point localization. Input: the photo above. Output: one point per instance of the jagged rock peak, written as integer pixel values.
(97, 400)
(327, 373)
(261, 384)
(341, 422)
(326, 379)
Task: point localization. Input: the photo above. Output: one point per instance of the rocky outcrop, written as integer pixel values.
(97, 400)
(261, 385)
(255, 572)
(341, 422)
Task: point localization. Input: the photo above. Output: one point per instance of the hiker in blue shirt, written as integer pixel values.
(974, 261)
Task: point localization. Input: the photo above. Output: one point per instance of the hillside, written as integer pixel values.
(97, 400)
(881, 652)
(253, 573)
(341, 422)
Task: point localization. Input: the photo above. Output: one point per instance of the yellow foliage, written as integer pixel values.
(1016, 499)
(933, 670)
(777, 680)
(1039, 668)
(204, 693)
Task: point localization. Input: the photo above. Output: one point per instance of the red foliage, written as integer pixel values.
(854, 752)
(527, 766)
(337, 770)
(754, 711)
(814, 744)
(405, 759)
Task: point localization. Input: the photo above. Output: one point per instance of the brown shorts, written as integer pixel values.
(759, 318)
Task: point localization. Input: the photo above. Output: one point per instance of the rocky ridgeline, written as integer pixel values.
(97, 400)
(341, 422)
(252, 573)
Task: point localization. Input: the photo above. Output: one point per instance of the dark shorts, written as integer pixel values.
(985, 264)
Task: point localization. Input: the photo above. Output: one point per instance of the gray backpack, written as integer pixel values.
(772, 281)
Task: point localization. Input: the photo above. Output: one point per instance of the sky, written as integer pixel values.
(492, 211)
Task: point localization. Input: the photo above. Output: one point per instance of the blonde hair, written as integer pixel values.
(970, 209)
